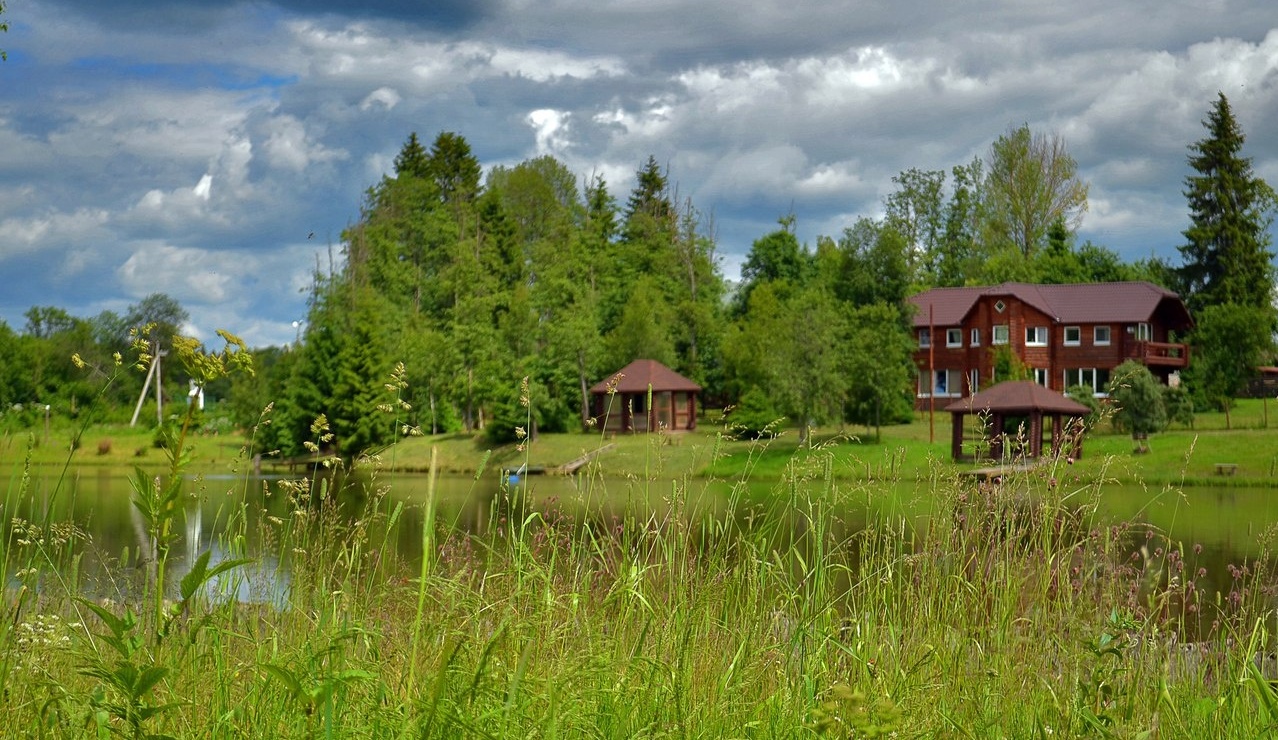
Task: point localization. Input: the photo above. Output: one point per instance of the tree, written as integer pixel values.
(958, 246)
(879, 365)
(1226, 255)
(163, 311)
(775, 257)
(1227, 350)
(874, 267)
(412, 160)
(644, 329)
(452, 167)
(1032, 182)
(1138, 396)
(45, 321)
(916, 211)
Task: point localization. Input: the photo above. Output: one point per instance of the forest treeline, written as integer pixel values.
(469, 301)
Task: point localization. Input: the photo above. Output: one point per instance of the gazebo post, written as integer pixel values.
(996, 436)
(956, 435)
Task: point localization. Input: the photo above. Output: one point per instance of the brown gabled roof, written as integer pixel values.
(1080, 303)
(1018, 396)
(640, 374)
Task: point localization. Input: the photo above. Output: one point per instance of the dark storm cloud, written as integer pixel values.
(195, 16)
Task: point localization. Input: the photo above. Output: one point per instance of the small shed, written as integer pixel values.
(1022, 398)
(645, 396)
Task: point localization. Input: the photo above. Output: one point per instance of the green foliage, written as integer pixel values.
(879, 366)
(1230, 341)
(1032, 182)
(1138, 399)
(776, 257)
(755, 416)
(1086, 396)
(1226, 256)
(1179, 404)
(873, 266)
(1007, 365)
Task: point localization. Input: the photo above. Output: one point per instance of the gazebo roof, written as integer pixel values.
(640, 374)
(1019, 396)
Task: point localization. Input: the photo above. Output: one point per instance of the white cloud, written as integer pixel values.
(52, 230)
(550, 127)
(384, 98)
(187, 274)
(289, 146)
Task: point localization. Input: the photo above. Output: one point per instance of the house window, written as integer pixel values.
(925, 338)
(1091, 377)
(1143, 332)
(953, 337)
(1000, 306)
(973, 381)
(944, 383)
(1100, 336)
(1040, 375)
(1073, 336)
(1036, 336)
(1000, 334)
(976, 337)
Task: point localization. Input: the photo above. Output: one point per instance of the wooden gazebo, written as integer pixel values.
(620, 403)
(1023, 398)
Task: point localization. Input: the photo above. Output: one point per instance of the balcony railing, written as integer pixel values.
(1163, 354)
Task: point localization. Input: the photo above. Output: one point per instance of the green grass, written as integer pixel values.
(1177, 456)
(1017, 612)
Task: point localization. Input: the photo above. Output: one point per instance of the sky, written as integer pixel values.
(216, 151)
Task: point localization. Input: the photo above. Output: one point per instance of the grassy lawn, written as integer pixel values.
(1177, 456)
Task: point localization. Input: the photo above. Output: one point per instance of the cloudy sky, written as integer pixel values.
(215, 151)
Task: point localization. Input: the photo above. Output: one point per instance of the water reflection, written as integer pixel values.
(1218, 530)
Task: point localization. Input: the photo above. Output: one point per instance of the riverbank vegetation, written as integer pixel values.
(1016, 610)
(1178, 456)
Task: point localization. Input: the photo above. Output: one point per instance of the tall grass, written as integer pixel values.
(1014, 612)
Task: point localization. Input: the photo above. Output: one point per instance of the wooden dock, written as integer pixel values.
(998, 471)
(568, 468)
(575, 465)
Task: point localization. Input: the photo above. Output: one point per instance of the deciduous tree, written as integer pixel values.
(1138, 398)
(1032, 181)
(1227, 349)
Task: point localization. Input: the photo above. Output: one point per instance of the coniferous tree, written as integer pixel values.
(1226, 255)
(412, 160)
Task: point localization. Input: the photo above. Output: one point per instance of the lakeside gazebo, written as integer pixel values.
(1022, 398)
(621, 402)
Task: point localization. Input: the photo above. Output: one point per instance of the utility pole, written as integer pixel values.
(153, 370)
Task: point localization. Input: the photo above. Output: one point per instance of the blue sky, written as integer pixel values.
(193, 148)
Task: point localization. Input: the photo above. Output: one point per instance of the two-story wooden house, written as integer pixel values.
(1067, 334)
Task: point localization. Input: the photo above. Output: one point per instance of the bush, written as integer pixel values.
(755, 416)
(1084, 395)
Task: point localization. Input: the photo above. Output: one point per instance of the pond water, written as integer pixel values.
(1221, 525)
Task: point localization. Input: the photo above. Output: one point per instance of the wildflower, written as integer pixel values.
(77, 361)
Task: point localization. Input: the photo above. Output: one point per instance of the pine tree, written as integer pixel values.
(411, 160)
(1226, 255)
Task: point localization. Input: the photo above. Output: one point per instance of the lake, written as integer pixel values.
(1220, 526)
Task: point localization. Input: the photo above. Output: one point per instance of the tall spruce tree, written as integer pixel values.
(1226, 255)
